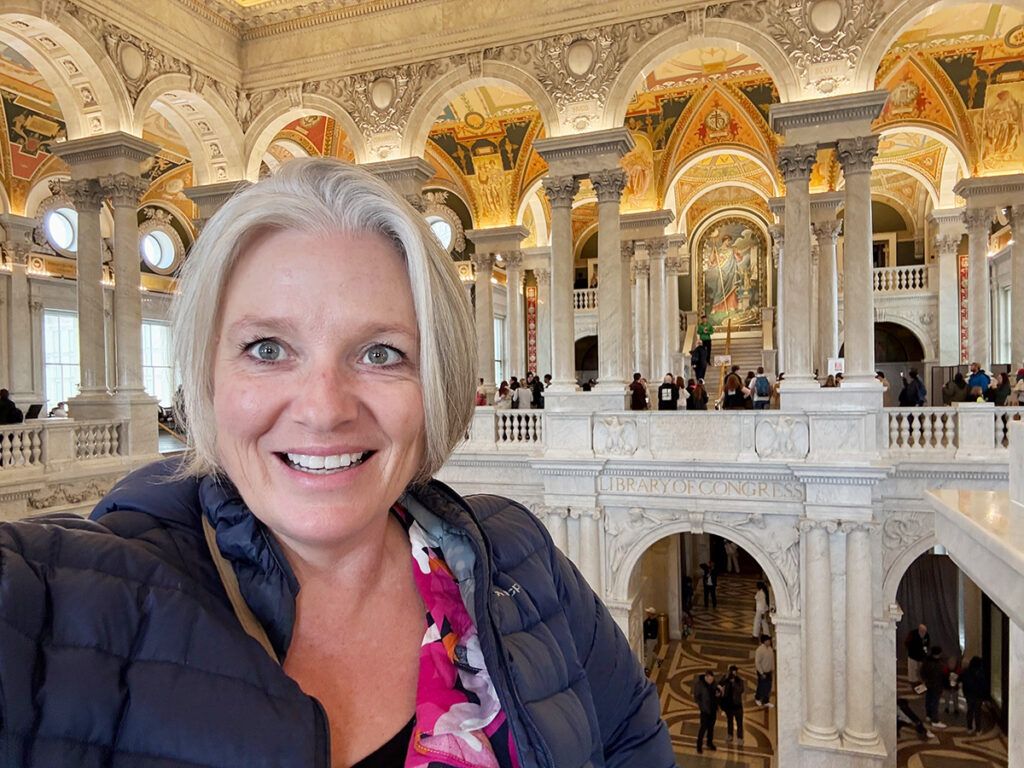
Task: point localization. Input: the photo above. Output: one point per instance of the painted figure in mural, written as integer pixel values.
(1003, 125)
(730, 272)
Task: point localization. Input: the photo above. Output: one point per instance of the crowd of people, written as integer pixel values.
(517, 394)
(936, 676)
(979, 386)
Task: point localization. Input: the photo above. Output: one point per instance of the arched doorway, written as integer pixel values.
(962, 621)
(706, 629)
(897, 350)
(586, 358)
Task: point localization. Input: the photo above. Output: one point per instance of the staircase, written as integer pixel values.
(745, 349)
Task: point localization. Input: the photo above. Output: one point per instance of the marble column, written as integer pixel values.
(557, 519)
(124, 191)
(819, 719)
(629, 306)
(87, 196)
(979, 299)
(657, 248)
(857, 156)
(590, 547)
(860, 725)
(796, 163)
(673, 266)
(483, 266)
(777, 231)
(642, 268)
(514, 289)
(560, 191)
(949, 229)
(543, 277)
(612, 317)
(1017, 286)
(20, 375)
(826, 233)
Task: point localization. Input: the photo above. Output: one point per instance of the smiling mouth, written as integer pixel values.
(324, 465)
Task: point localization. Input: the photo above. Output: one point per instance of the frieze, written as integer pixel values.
(901, 530)
(784, 437)
(719, 488)
(616, 436)
(62, 494)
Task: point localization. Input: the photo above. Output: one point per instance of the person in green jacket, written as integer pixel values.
(704, 331)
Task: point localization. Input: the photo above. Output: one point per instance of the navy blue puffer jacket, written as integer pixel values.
(119, 647)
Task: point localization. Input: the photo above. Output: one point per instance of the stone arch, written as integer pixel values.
(678, 39)
(438, 93)
(681, 218)
(532, 201)
(277, 114)
(40, 191)
(786, 601)
(894, 573)
(919, 177)
(84, 80)
(205, 123)
(897, 20)
(954, 164)
(697, 157)
(922, 334)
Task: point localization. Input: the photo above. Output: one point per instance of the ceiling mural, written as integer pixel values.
(716, 171)
(701, 99)
(921, 153)
(483, 140)
(724, 198)
(32, 122)
(901, 188)
(960, 71)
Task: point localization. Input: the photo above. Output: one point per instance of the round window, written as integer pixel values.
(157, 249)
(61, 227)
(442, 231)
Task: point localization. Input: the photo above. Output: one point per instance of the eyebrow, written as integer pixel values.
(284, 325)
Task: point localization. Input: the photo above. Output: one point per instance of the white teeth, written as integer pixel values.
(324, 463)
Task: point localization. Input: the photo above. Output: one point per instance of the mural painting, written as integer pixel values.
(731, 281)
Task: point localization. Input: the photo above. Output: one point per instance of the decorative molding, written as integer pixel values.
(560, 190)
(123, 189)
(979, 219)
(616, 436)
(68, 493)
(827, 230)
(857, 155)
(796, 161)
(608, 185)
(85, 194)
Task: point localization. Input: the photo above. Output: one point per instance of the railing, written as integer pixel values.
(1003, 417)
(20, 446)
(584, 299)
(97, 439)
(519, 426)
(900, 279)
(922, 429)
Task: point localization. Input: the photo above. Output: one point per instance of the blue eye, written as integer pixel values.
(381, 354)
(266, 351)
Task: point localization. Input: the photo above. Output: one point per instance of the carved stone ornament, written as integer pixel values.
(63, 494)
(608, 185)
(813, 34)
(560, 190)
(902, 530)
(857, 155)
(978, 218)
(581, 67)
(435, 204)
(124, 189)
(616, 436)
(483, 263)
(86, 194)
(827, 230)
(785, 437)
(796, 161)
(642, 269)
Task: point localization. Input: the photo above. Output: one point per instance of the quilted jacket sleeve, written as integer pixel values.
(627, 704)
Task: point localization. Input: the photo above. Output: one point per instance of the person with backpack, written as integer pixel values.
(913, 394)
(668, 394)
(762, 390)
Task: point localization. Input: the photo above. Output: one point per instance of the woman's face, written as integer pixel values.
(317, 399)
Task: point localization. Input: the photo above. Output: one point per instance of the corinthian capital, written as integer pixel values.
(124, 189)
(827, 230)
(513, 260)
(608, 185)
(857, 155)
(947, 245)
(543, 277)
(657, 247)
(561, 190)
(673, 266)
(86, 194)
(796, 161)
(978, 218)
(626, 250)
(483, 263)
(642, 269)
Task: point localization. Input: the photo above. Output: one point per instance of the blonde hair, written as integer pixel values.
(322, 196)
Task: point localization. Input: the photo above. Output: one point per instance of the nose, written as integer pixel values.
(328, 397)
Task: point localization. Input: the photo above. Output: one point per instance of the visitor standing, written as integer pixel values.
(732, 559)
(978, 378)
(762, 389)
(699, 361)
(918, 645)
(706, 693)
(705, 330)
(668, 394)
(733, 689)
(761, 608)
(764, 665)
(9, 412)
(974, 683)
(934, 678)
(637, 394)
(709, 577)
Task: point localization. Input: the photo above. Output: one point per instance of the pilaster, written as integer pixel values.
(23, 386)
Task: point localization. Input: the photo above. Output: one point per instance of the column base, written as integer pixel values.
(560, 388)
(861, 740)
(815, 736)
(91, 404)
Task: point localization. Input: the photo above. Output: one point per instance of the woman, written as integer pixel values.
(699, 397)
(1018, 388)
(761, 604)
(502, 398)
(481, 393)
(974, 683)
(954, 390)
(999, 389)
(298, 591)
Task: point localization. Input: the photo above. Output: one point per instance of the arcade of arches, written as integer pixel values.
(836, 184)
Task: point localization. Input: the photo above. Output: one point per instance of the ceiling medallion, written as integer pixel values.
(580, 57)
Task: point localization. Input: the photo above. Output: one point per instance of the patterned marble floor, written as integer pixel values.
(721, 637)
(952, 748)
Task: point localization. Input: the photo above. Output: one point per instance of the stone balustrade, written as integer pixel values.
(584, 299)
(900, 279)
(969, 430)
